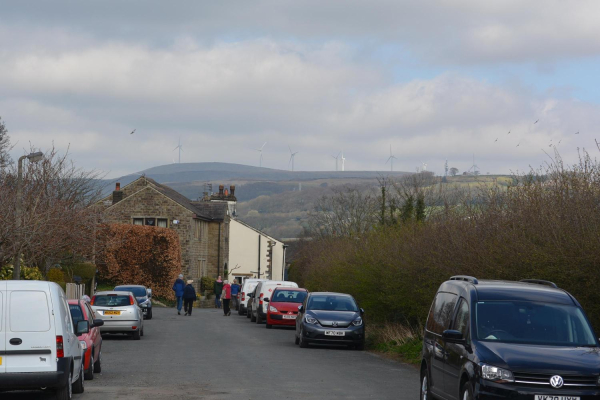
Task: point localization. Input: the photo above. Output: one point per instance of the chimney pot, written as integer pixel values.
(232, 190)
(118, 186)
(226, 193)
(221, 187)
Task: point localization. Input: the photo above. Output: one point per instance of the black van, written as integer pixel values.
(515, 340)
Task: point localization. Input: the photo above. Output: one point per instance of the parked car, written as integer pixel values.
(263, 291)
(512, 340)
(283, 306)
(247, 288)
(250, 302)
(121, 313)
(142, 295)
(39, 346)
(330, 318)
(91, 341)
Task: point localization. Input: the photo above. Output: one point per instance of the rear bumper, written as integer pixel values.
(36, 380)
(120, 326)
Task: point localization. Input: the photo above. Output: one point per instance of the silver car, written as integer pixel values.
(120, 311)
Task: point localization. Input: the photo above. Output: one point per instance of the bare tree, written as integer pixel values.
(4, 145)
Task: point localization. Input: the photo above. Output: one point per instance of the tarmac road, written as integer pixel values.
(209, 356)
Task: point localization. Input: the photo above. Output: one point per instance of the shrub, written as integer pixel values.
(141, 255)
(27, 273)
(207, 284)
(55, 275)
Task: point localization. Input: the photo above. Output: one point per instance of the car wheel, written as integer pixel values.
(268, 326)
(303, 343)
(149, 315)
(258, 318)
(98, 363)
(240, 312)
(65, 392)
(248, 312)
(252, 317)
(296, 339)
(136, 335)
(425, 386)
(467, 392)
(89, 374)
(78, 385)
(360, 346)
(142, 332)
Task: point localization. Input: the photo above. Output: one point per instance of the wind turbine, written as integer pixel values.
(336, 160)
(343, 160)
(260, 151)
(474, 167)
(180, 149)
(424, 167)
(292, 156)
(391, 158)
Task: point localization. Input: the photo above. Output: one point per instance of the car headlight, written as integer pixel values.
(83, 344)
(272, 309)
(310, 320)
(357, 322)
(498, 375)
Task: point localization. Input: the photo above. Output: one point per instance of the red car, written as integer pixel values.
(81, 311)
(283, 306)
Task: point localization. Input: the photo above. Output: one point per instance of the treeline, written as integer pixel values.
(545, 225)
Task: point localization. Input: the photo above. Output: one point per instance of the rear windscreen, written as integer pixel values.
(112, 300)
(28, 311)
(137, 291)
(288, 296)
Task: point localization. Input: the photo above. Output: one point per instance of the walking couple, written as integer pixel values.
(185, 294)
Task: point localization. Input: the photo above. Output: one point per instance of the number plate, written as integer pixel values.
(290, 316)
(0, 360)
(553, 397)
(112, 312)
(334, 333)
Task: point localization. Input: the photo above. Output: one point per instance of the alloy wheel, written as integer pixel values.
(424, 388)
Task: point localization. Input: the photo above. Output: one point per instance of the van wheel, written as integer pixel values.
(98, 363)
(240, 312)
(89, 374)
(248, 313)
(136, 335)
(258, 318)
(78, 385)
(65, 392)
(425, 386)
(252, 317)
(467, 392)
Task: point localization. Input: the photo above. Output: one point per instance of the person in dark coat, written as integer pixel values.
(189, 297)
(178, 288)
(218, 287)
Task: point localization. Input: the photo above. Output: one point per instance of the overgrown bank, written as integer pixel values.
(545, 226)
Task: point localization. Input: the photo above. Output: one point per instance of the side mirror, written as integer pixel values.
(300, 308)
(266, 299)
(362, 310)
(452, 336)
(82, 327)
(149, 293)
(98, 322)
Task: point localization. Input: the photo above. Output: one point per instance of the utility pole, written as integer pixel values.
(271, 244)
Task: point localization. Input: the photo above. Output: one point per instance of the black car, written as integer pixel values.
(514, 340)
(330, 318)
(142, 295)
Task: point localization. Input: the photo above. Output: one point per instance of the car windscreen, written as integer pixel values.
(288, 296)
(76, 313)
(112, 300)
(533, 323)
(331, 303)
(137, 291)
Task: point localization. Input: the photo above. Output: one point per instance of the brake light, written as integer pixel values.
(93, 300)
(243, 296)
(131, 300)
(60, 350)
(260, 298)
(134, 327)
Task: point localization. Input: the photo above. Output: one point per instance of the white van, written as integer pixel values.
(245, 290)
(264, 291)
(39, 346)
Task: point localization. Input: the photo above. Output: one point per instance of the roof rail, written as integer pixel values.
(465, 278)
(540, 282)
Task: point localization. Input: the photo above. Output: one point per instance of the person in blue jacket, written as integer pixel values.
(178, 287)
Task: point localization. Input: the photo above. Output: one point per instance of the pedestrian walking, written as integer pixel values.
(218, 287)
(189, 297)
(226, 296)
(178, 287)
(235, 289)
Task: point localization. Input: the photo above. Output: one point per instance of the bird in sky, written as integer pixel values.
(536, 122)
(508, 133)
(559, 141)
(132, 132)
(519, 144)
(496, 140)
(577, 133)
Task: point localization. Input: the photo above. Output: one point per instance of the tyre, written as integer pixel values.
(296, 340)
(65, 392)
(268, 326)
(466, 392)
(248, 312)
(258, 318)
(142, 332)
(240, 312)
(89, 374)
(360, 346)
(252, 317)
(303, 343)
(149, 315)
(98, 363)
(425, 386)
(136, 335)
(78, 385)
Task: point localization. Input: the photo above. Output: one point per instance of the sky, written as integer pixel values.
(432, 80)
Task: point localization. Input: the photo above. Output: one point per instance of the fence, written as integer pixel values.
(75, 291)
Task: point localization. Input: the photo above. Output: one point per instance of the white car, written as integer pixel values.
(120, 312)
(39, 346)
(245, 290)
(258, 313)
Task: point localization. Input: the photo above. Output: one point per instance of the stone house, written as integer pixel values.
(203, 226)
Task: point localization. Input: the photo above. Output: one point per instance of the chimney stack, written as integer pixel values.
(118, 186)
(117, 194)
(232, 190)
(221, 187)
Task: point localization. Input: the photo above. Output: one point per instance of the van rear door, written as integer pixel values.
(2, 327)
(30, 332)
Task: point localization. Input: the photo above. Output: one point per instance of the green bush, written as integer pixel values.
(207, 284)
(56, 275)
(27, 273)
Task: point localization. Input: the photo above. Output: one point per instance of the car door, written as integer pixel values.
(94, 331)
(300, 316)
(70, 339)
(2, 326)
(456, 354)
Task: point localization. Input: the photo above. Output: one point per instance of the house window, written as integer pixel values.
(138, 221)
(150, 221)
(162, 223)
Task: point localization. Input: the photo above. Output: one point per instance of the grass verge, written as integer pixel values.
(397, 341)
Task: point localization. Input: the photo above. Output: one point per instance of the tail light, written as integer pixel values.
(93, 300)
(243, 296)
(260, 299)
(134, 327)
(60, 350)
(131, 300)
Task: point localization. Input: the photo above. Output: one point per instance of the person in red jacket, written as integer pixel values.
(226, 297)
